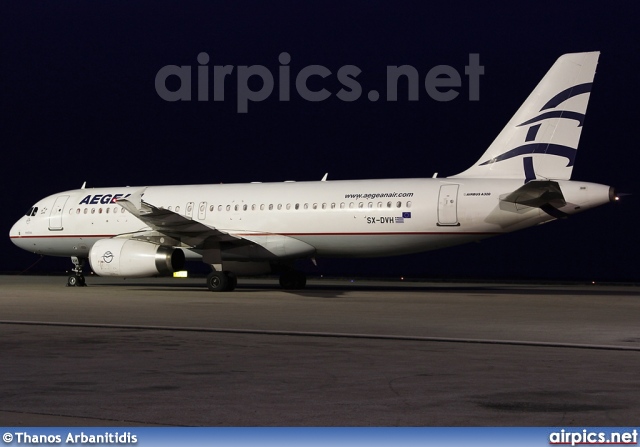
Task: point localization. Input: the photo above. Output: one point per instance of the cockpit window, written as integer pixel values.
(28, 213)
(32, 211)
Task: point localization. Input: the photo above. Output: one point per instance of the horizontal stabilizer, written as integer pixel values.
(538, 194)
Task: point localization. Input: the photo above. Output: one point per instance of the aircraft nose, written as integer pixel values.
(16, 234)
(15, 230)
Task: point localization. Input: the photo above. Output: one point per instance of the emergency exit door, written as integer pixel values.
(202, 210)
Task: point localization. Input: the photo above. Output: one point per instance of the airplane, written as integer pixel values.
(521, 180)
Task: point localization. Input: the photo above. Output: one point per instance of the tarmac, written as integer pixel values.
(146, 352)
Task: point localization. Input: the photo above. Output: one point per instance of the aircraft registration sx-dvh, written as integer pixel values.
(523, 179)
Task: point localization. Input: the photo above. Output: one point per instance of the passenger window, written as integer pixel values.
(379, 204)
(244, 208)
(219, 207)
(399, 204)
(288, 206)
(177, 209)
(78, 211)
(270, 206)
(342, 205)
(333, 205)
(351, 204)
(315, 206)
(262, 207)
(409, 204)
(370, 205)
(297, 206)
(388, 204)
(253, 207)
(100, 211)
(360, 205)
(279, 206)
(108, 209)
(212, 207)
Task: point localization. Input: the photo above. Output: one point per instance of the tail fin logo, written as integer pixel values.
(535, 123)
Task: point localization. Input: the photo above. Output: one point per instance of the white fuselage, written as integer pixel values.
(355, 218)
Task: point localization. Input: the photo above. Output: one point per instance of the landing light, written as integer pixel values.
(180, 274)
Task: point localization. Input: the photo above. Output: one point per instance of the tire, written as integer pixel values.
(72, 281)
(217, 282)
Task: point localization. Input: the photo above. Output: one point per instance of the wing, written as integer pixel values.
(178, 227)
(209, 241)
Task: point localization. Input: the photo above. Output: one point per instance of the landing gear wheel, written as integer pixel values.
(76, 281)
(293, 280)
(222, 281)
(72, 281)
(217, 281)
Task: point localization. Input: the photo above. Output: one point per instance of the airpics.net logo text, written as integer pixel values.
(255, 83)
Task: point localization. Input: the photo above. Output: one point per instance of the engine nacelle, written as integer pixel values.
(131, 258)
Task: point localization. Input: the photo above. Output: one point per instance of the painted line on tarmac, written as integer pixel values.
(327, 335)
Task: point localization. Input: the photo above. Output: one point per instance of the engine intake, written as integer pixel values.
(131, 258)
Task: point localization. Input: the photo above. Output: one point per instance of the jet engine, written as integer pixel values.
(131, 258)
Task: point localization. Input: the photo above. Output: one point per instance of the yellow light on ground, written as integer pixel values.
(180, 274)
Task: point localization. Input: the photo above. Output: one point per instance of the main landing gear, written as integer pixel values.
(218, 281)
(221, 281)
(77, 279)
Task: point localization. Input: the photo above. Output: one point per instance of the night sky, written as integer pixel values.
(79, 104)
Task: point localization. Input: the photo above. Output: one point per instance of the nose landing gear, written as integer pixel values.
(77, 279)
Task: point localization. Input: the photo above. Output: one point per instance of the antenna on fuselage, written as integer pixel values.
(83, 185)
(324, 179)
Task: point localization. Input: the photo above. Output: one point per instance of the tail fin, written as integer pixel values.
(541, 139)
